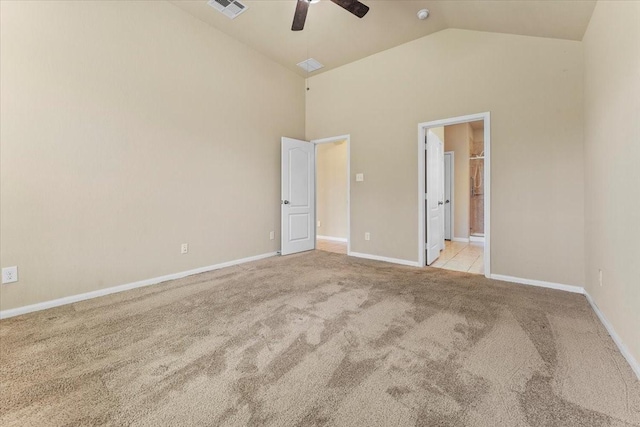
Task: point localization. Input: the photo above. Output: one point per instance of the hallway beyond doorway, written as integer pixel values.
(331, 246)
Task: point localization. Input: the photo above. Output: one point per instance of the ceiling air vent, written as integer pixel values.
(229, 8)
(310, 65)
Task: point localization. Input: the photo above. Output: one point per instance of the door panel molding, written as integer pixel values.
(434, 158)
(297, 208)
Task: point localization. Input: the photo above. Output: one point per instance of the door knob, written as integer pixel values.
(440, 203)
(286, 202)
(447, 201)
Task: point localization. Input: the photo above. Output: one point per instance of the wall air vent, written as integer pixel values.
(230, 8)
(310, 65)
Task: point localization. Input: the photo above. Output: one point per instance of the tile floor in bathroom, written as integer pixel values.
(460, 256)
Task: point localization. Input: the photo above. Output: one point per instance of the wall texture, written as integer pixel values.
(129, 128)
(456, 139)
(612, 150)
(533, 89)
(331, 187)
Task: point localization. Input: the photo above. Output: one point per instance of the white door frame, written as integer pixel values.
(422, 130)
(453, 191)
(346, 138)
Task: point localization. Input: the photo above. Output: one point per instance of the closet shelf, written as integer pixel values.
(476, 158)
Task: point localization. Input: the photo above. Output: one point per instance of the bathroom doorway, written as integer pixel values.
(464, 196)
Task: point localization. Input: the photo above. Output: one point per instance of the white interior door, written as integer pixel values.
(448, 195)
(434, 196)
(298, 196)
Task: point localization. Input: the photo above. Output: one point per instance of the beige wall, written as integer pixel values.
(527, 83)
(456, 139)
(331, 187)
(612, 151)
(128, 128)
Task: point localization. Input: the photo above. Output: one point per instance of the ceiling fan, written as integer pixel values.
(353, 6)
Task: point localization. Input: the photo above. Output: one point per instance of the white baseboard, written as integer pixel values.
(332, 239)
(635, 366)
(384, 258)
(476, 239)
(460, 239)
(539, 283)
(139, 284)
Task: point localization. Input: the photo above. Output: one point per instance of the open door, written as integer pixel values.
(448, 195)
(434, 197)
(298, 196)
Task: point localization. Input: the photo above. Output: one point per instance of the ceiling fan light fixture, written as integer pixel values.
(313, 1)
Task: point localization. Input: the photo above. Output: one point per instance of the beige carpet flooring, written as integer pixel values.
(317, 339)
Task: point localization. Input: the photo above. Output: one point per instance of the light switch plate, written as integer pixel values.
(359, 177)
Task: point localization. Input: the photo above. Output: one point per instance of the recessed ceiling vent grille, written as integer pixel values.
(229, 8)
(310, 65)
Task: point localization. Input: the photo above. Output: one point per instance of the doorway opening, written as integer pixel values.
(308, 205)
(332, 194)
(454, 193)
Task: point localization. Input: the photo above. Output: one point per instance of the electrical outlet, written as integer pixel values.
(367, 236)
(272, 235)
(359, 177)
(184, 248)
(10, 274)
(600, 276)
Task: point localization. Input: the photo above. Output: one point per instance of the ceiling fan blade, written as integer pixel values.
(300, 16)
(353, 6)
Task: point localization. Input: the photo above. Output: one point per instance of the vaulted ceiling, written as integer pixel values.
(335, 37)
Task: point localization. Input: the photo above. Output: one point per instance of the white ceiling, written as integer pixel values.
(335, 37)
